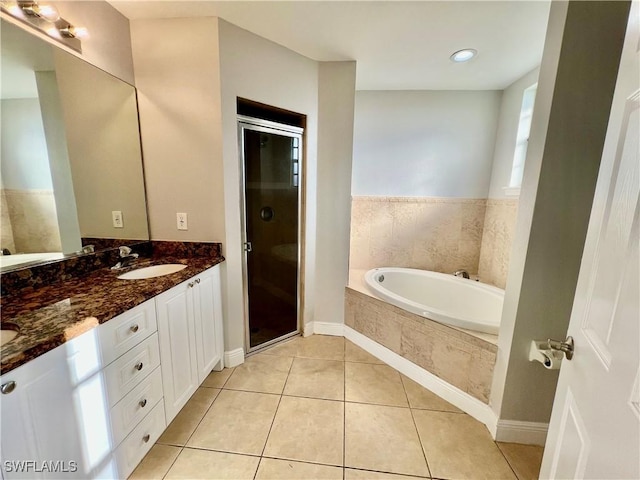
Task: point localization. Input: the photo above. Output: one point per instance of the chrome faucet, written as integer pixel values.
(126, 257)
(461, 273)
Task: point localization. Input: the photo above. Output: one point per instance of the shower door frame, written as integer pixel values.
(267, 126)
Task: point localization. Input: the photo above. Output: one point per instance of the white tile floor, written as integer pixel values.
(322, 408)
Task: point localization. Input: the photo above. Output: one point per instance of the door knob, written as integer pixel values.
(566, 346)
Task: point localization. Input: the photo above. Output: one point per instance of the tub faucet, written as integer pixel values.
(461, 273)
(126, 257)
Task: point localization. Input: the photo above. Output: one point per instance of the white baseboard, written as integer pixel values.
(325, 328)
(531, 433)
(474, 407)
(233, 358)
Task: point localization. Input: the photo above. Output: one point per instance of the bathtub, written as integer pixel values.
(447, 299)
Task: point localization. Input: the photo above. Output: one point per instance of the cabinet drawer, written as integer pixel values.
(140, 440)
(129, 411)
(120, 334)
(130, 369)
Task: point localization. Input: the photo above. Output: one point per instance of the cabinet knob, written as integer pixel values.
(197, 280)
(191, 284)
(143, 403)
(146, 438)
(134, 328)
(139, 366)
(8, 387)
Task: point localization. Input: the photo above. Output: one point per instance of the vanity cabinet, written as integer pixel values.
(68, 413)
(94, 406)
(190, 335)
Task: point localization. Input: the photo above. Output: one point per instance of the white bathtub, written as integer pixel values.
(441, 297)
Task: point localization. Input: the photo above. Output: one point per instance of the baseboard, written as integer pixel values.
(233, 358)
(325, 328)
(474, 407)
(531, 433)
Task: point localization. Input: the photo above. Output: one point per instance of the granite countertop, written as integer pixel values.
(53, 314)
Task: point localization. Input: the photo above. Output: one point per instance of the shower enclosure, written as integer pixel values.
(271, 160)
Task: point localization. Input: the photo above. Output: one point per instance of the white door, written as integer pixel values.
(595, 424)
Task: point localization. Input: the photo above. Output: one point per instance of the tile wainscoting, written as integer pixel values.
(497, 239)
(33, 221)
(433, 233)
(459, 358)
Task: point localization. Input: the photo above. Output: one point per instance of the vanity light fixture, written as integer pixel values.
(46, 18)
(74, 32)
(46, 12)
(463, 55)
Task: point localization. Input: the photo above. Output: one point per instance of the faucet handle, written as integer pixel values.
(125, 251)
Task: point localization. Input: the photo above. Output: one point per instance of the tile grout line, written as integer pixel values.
(515, 474)
(415, 425)
(275, 414)
(170, 466)
(182, 447)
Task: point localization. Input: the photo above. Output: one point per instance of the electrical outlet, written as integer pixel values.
(116, 215)
(182, 221)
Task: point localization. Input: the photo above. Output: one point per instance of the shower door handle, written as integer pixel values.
(247, 246)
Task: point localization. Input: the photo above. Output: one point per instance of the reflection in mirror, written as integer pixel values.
(71, 167)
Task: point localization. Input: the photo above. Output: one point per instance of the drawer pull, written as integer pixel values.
(134, 328)
(191, 284)
(197, 280)
(146, 438)
(8, 387)
(139, 366)
(143, 403)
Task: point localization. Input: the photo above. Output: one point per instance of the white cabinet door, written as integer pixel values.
(176, 335)
(208, 321)
(44, 415)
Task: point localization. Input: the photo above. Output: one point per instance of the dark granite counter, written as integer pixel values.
(50, 315)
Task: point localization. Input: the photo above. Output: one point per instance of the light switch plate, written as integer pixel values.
(116, 215)
(182, 221)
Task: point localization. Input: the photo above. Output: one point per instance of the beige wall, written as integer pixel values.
(103, 143)
(429, 233)
(180, 122)
(336, 96)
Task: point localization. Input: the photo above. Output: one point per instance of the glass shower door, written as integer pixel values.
(271, 161)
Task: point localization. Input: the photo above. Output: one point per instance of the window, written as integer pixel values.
(522, 140)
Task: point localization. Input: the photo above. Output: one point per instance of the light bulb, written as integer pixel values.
(48, 12)
(463, 55)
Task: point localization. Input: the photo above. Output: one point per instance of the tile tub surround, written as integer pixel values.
(33, 221)
(429, 233)
(497, 239)
(53, 314)
(296, 432)
(459, 358)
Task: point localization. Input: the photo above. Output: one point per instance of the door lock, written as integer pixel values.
(566, 346)
(247, 246)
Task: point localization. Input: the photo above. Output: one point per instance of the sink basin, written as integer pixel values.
(153, 271)
(8, 333)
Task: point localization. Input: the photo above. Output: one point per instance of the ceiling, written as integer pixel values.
(397, 45)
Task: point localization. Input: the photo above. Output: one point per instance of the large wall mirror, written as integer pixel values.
(71, 167)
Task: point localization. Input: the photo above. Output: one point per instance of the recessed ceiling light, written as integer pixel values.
(463, 55)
